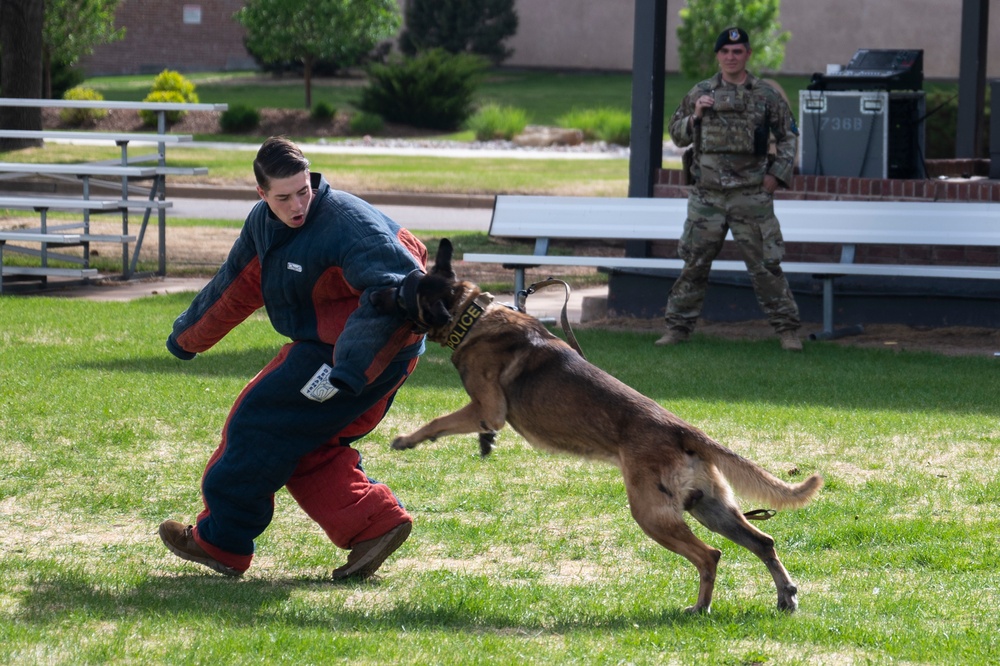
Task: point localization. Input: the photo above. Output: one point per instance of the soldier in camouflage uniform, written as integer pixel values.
(728, 120)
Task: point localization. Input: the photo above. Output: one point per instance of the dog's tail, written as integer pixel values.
(753, 482)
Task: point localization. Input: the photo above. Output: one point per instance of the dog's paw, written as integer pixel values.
(788, 599)
(486, 441)
(401, 443)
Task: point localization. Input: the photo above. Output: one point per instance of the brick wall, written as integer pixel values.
(157, 38)
(670, 184)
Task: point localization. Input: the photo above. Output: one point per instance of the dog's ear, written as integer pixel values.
(442, 262)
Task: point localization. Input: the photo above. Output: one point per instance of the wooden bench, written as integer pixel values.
(844, 223)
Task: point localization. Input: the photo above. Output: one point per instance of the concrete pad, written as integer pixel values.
(112, 290)
(547, 304)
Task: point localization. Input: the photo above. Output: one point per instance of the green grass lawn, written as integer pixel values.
(524, 557)
(383, 173)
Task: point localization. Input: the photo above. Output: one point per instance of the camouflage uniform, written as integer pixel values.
(728, 165)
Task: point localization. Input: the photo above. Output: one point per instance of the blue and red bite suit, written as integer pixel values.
(293, 424)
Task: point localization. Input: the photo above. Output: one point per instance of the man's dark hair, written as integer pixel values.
(278, 157)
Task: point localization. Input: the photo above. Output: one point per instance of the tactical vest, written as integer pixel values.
(736, 123)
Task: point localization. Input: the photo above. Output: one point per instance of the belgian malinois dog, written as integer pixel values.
(516, 371)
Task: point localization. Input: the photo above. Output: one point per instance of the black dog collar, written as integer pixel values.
(467, 319)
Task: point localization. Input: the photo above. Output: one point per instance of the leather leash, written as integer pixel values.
(760, 514)
(522, 297)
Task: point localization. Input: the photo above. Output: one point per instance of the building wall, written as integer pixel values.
(157, 37)
(573, 34)
(598, 34)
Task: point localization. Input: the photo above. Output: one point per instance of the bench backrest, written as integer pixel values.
(587, 217)
(76, 169)
(109, 104)
(67, 135)
(57, 203)
(843, 222)
(889, 222)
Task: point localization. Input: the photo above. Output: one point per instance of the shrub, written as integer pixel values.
(497, 122)
(64, 77)
(169, 86)
(366, 123)
(168, 96)
(323, 112)
(432, 90)
(941, 125)
(460, 26)
(605, 124)
(239, 118)
(80, 117)
(169, 80)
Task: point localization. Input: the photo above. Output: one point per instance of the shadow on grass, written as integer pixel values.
(229, 363)
(253, 603)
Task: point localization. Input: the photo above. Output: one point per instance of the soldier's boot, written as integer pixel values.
(673, 336)
(790, 341)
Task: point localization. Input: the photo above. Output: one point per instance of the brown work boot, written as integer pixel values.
(179, 539)
(790, 341)
(673, 336)
(366, 557)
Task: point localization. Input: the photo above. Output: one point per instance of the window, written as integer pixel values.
(192, 14)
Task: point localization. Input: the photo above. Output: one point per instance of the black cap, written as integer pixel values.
(732, 36)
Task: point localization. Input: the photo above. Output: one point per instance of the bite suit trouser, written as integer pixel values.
(275, 436)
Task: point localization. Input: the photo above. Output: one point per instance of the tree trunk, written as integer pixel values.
(46, 74)
(21, 66)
